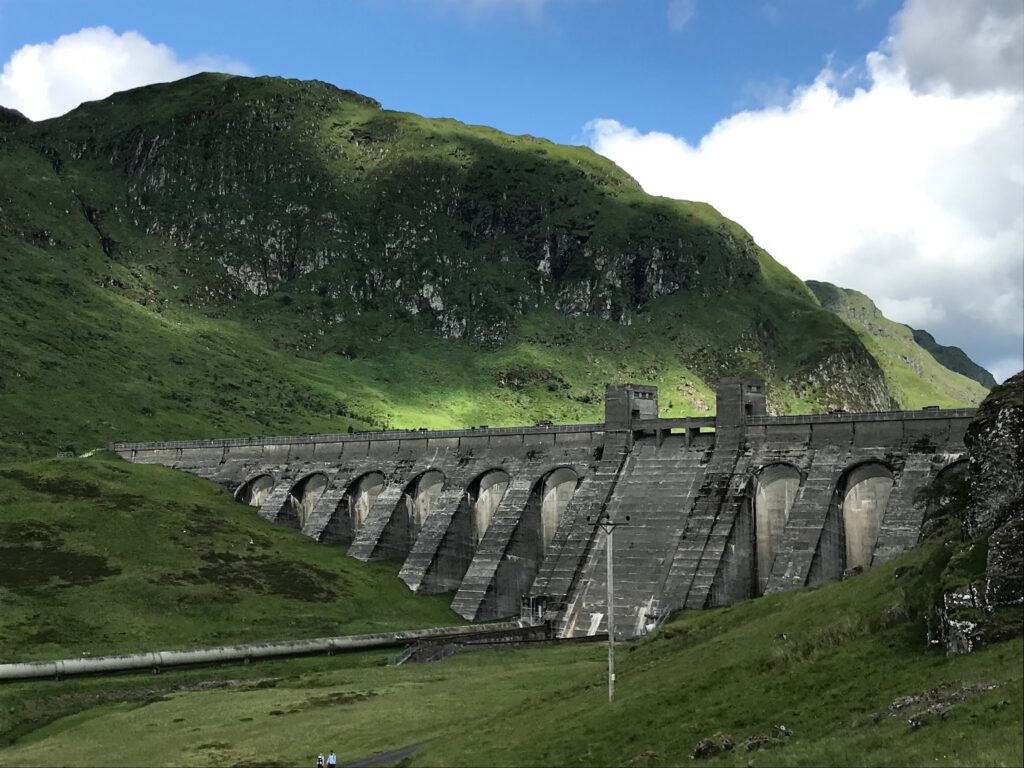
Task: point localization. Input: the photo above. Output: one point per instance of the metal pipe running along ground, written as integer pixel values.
(157, 660)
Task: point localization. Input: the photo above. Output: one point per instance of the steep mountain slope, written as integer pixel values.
(227, 255)
(913, 375)
(954, 358)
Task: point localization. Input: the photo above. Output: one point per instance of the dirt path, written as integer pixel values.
(386, 758)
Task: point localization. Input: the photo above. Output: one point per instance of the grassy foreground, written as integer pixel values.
(101, 556)
(831, 664)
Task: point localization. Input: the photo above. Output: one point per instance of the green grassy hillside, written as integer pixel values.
(844, 667)
(954, 358)
(914, 375)
(100, 556)
(232, 256)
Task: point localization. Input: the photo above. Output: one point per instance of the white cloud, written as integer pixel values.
(966, 46)
(680, 12)
(48, 79)
(909, 188)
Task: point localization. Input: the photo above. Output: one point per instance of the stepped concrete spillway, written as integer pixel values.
(720, 508)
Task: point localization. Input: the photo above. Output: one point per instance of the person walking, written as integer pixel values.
(320, 760)
(332, 760)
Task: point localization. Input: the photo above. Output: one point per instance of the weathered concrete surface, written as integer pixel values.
(500, 515)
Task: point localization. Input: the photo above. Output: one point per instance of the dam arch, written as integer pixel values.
(255, 490)
(531, 539)
(417, 500)
(554, 492)
(771, 495)
(301, 500)
(853, 520)
(865, 494)
(350, 512)
(468, 525)
(483, 496)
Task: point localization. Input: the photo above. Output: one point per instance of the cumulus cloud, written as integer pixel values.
(680, 12)
(909, 187)
(967, 46)
(48, 79)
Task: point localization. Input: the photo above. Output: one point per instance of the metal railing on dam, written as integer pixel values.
(398, 434)
(157, 660)
(844, 416)
(641, 424)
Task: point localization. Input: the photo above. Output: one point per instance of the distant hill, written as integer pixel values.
(912, 373)
(954, 358)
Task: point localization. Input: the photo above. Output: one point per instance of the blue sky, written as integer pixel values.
(876, 144)
(523, 67)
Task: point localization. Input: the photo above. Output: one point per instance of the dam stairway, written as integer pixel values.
(655, 490)
(685, 574)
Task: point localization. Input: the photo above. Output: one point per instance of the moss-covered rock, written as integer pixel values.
(984, 597)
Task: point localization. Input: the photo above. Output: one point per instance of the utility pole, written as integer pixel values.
(608, 526)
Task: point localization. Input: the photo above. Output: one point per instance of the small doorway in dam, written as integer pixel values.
(352, 509)
(302, 499)
(774, 492)
(255, 491)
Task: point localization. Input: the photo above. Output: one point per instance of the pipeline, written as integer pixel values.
(157, 660)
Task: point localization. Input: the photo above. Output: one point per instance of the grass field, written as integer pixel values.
(101, 556)
(831, 664)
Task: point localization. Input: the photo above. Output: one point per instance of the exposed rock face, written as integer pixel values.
(1004, 570)
(989, 609)
(996, 459)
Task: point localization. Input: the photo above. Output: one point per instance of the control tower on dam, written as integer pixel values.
(720, 508)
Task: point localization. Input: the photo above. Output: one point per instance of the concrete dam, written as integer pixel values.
(720, 508)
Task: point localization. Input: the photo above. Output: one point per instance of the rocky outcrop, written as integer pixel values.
(996, 448)
(990, 606)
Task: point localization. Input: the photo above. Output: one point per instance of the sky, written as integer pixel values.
(876, 144)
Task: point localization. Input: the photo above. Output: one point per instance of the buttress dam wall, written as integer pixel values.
(720, 508)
